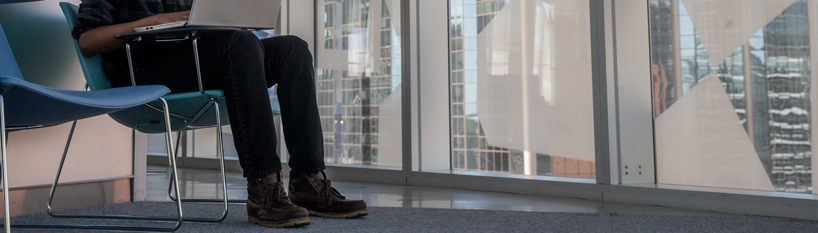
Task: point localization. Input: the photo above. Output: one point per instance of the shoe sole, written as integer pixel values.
(299, 222)
(353, 214)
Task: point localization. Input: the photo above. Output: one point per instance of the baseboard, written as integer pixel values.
(742, 202)
(32, 200)
(769, 204)
(745, 202)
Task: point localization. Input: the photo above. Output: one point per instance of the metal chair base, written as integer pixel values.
(172, 186)
(7, 220)
(174, 182)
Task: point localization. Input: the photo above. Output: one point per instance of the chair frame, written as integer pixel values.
(7, 220)
(173, 184)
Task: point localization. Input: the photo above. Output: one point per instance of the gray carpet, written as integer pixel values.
(446, 220)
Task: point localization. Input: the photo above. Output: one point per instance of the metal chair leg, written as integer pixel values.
(220, 150)
(59, 169)
(176, 152)
(220, 154)
(170, 181)
(169, 137)
(7, 216)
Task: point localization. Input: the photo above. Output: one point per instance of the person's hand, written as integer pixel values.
(101, 39)
(169, 17)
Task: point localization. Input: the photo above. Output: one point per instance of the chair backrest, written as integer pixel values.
(91, 66)
(8, 65)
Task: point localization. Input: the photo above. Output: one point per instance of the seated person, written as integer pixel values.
(244, 67)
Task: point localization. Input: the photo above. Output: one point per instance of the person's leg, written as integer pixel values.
(239, 57)
(288, 63)
(232, 62)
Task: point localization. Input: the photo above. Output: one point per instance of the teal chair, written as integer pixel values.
(189, 111)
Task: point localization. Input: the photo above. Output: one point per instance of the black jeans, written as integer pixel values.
(244, 67)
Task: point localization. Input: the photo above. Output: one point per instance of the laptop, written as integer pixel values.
(247, 14)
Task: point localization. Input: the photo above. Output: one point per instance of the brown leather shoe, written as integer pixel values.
(316, 193)
(269, 206)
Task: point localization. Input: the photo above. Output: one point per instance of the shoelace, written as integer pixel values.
(273, 193)
(329, 191)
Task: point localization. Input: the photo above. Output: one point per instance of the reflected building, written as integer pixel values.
(767, 81)
(470, 148)
(350, 94)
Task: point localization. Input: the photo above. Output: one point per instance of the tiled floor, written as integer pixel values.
(206, 184)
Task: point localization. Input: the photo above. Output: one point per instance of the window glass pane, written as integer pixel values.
(732, 102)
(521, 98)
(358, 74)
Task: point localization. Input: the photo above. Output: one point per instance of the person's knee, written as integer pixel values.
(300, 47)
(295, 42)
(244, 39)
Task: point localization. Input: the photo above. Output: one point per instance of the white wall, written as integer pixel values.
(102, 149)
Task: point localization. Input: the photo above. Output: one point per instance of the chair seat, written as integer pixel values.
(28, 104)
(183, 107)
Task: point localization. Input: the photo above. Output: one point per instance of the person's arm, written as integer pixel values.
(101, 39)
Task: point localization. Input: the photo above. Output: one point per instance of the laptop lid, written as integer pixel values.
(252, 14)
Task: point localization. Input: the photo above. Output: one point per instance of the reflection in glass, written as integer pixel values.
(766, 79)
(357, 81)
(521, 88)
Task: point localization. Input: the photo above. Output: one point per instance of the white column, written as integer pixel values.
(634, 90)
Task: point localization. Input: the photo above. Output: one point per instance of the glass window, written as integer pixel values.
(732, 97)
(521, 93)
(358, 76)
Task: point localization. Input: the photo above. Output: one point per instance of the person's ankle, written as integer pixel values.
(317, 175)
(271, 178)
